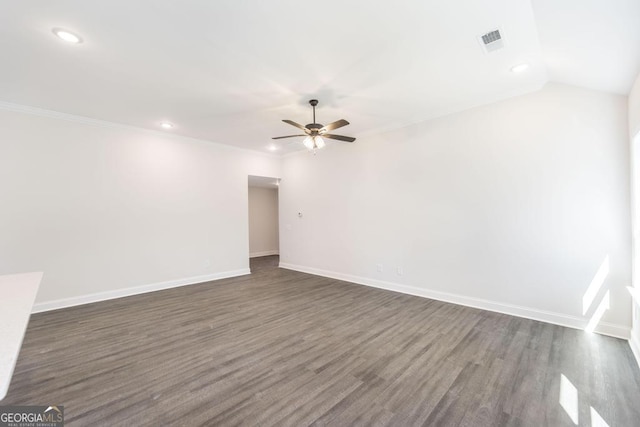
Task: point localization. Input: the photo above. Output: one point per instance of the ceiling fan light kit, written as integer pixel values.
(315, 133)
(313, 142)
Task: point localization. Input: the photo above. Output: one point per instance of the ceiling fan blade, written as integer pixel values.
(298, 125)
(334, 125)
(288, 136)
(339, 137)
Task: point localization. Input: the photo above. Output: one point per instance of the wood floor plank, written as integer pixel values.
(283, 348)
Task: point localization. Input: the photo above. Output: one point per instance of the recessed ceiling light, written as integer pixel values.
(273, 147)
(67, 36)
(166, 125)
(519, 68)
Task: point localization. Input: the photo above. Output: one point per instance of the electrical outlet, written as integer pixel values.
(400, 271)
(380, 268)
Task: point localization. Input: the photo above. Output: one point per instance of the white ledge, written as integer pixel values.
(17, 295)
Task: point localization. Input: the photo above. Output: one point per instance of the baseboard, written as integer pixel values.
(264, 253)
(120, 293)
(604, 328)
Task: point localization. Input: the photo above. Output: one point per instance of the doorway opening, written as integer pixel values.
(264, 230)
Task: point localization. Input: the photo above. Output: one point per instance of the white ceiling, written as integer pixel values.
(591, 43)
(229, 71)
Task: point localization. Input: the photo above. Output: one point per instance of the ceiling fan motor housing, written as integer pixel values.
(314, 127)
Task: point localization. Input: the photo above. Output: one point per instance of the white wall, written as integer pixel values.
(101, 209)
(634, 108)
(263, 221)
(634, 130)
(512, 207)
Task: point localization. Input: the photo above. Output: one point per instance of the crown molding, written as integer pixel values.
(51, 114)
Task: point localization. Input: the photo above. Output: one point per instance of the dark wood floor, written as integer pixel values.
(286, 348)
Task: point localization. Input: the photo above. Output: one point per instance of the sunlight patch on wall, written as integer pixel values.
(596, 285)
(590, 297)
(597, 316)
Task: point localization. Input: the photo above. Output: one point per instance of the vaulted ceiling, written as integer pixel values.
(228, 71)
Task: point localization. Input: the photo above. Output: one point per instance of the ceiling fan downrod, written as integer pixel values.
(313, 103)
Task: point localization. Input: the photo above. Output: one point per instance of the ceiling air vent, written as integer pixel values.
(492, 41)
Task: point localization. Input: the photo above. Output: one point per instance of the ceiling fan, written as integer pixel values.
(315, 132)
